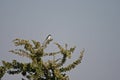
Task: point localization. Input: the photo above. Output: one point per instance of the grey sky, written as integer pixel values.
(90, 24)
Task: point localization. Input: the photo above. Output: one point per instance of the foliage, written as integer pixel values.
(38, 69)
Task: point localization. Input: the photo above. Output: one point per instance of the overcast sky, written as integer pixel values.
(90, 24)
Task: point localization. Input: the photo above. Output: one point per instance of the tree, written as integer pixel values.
(38, 69)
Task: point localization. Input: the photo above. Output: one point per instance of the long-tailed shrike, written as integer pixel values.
(49, 37)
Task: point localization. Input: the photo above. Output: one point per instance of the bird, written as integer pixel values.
(49, 37)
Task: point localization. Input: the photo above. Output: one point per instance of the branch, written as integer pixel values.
(74, 64)
(51, 54)
(21, 52)
(27, 45)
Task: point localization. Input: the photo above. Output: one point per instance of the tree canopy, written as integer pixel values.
(38, 69)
